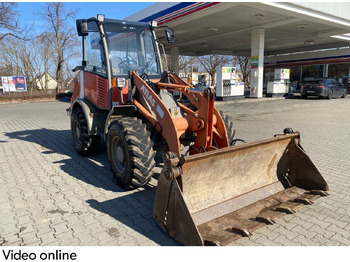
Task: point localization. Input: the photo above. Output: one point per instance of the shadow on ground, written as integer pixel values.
(93, 170)
(135, 210)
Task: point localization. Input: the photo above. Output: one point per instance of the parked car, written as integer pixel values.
(327, 88)
(64, 97)
(295, 86)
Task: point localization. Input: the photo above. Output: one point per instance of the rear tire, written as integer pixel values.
(83, 143)
(330, 95)
(345, 93)
(130, 152)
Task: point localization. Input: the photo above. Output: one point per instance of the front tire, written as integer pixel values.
(231, 132)
(229, 127)
(83, 143)
(130, 152)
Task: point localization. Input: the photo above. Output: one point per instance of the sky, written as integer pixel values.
(28, 14)
(28, 11)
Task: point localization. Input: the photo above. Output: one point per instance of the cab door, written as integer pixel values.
(95, 71)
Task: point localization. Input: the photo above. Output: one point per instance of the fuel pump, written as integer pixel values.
(280, 85)
(227, 88)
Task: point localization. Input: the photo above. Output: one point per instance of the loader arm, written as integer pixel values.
(204, 103)
(155, 111)
(206, 122)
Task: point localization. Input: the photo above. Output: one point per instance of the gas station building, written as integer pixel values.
(309, 39)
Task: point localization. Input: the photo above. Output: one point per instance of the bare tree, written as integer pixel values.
(185, 62)
(26, 58)
(17, 56)
(43, 57)
(165, 61)
(9, 57)
(63, 38)
(47, 56)
(9, 23)
(244, 63)
(211, 62)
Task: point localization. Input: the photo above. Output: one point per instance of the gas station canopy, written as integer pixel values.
(225, 28)
(274, 35)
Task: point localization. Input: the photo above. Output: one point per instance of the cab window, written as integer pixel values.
(95, 59)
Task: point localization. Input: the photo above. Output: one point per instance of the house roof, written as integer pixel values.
(42, 75)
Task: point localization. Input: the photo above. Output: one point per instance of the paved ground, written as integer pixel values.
(52, 196)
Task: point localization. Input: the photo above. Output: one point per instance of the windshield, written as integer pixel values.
(131, 49)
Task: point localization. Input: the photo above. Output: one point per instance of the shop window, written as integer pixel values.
(339, 72)
(312, 72)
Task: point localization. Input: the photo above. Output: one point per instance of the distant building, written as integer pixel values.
(40, 81)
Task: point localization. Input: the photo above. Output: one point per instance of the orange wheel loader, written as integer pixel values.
(215, 192)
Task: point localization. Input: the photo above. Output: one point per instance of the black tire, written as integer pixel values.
(229, 127)
(231, 132)
(330, 95)
(345, 93)
(130, 152)
(303, 96)
(83, 143)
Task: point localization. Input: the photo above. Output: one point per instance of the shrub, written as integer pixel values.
(31, 95)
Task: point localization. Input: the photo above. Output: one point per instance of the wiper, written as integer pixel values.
(144, 68)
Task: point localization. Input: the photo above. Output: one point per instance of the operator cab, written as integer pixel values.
(118, 47)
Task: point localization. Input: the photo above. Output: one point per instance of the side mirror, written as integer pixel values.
(82, 28)
(170, 36)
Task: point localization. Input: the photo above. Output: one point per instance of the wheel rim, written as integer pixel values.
(76, 133)
(120, 154)
(330, 95)
(119, 157)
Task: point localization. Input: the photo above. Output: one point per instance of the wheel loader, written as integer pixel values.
(211, 191)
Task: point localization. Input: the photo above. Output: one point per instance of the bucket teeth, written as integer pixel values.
(319, 192)
(242, 231)
(212, 243)
(286, 210)
(269, 217)
(266, 220)
(288, 207)
(306, 199)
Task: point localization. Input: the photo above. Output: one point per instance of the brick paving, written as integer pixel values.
(51, 196)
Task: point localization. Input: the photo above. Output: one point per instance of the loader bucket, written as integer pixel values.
(216, 197)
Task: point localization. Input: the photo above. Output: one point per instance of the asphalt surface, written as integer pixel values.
(51, 196)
